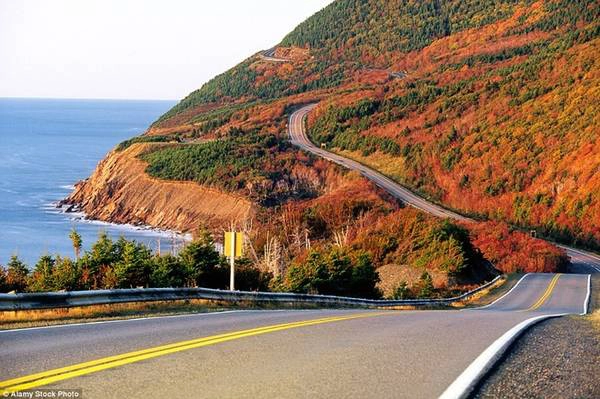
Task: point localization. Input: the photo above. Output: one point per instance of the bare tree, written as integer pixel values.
(247, 229)
(272, 259)
(77, 242)
(340, 237)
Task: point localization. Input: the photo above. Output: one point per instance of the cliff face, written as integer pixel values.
(120, 191)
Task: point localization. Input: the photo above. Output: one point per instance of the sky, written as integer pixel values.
(134, 49)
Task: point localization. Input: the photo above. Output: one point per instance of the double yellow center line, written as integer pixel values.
(546, 293)
(76, 370)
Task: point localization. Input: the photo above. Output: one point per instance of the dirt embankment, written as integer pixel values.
(120, 191)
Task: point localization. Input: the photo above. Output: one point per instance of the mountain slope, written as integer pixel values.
(488, 107)
(496, 116)
(505, 129)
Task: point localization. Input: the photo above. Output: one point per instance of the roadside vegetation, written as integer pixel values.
(128, 264)
(502, 129)
(336, 247)
(494, 116)
(123, 263)
(416, 255)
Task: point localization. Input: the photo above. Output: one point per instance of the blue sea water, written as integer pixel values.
(47, 145)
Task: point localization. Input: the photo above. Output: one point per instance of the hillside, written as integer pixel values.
(487, 107)
(121, 192)
(496, 116)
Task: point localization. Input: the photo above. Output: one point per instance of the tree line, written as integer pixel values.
(126, 263)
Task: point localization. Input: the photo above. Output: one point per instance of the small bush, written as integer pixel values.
(402, 291)
(334, 272)
(144, 139)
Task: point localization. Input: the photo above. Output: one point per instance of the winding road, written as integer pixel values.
(269, 56)
(292, 353)
(582, 261)
(282, 354)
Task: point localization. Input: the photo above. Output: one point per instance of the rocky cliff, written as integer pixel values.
(120, 191)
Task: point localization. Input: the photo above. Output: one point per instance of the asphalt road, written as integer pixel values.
(582, 261)
(299, 138)
(285, 354)
(269, 55)
(408, 354)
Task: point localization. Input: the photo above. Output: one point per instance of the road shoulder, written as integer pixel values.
(558, 358)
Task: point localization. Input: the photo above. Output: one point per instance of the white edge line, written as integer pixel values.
(502, 297)
(589, 255)
(464, 384)
(150, 318)
(586, 304)
(114, 321)
(580, 252)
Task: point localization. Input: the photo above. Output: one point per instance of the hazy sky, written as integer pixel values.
(133, 48)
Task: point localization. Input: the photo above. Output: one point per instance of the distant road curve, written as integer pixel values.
(269, 55)
(299, 138)
(583, 262)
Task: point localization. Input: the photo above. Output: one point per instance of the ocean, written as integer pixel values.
(46, 146)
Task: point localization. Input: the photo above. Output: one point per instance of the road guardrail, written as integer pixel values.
(53, 300)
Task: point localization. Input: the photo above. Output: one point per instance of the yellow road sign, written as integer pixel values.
(233, 244)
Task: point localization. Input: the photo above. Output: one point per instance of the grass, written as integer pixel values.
(595, 319)
(495, 291)
(46, 317)
(390, 166)
(123, 311)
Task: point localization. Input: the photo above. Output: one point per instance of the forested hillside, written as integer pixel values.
(485, 106)
(497, 116)
(380, 27)
(506, 129)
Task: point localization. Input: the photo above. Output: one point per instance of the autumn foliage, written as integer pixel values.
(514, 251)
(496, 115)
(489, 108)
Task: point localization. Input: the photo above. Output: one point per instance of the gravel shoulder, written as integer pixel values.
(558, 358)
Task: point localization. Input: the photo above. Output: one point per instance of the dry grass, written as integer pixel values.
(493, 292)
(120, 311)
(594, 317)
(404, 307)
(42, 317)
(388, 165)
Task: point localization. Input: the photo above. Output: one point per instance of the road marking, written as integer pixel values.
(545, 295)
(151, 318)
(503, 296)
(586, 304)
(64, 373)
(468, 379)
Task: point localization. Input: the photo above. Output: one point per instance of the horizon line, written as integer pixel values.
(85, 98)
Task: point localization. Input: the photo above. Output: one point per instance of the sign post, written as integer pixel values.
(233, 245)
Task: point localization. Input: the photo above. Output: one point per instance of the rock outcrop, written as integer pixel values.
(120, 191)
